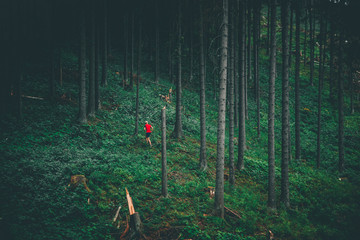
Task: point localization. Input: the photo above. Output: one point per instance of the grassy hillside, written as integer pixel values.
(39, 155)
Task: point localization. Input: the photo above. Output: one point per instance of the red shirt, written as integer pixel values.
(148, 128)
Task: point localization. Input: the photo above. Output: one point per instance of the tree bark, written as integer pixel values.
(132, 51)
(312, 23)
(318, 148)
(126, 74)
(157, 42)
(256, 23)
(203, 162)
(97, 71)
(291, 33)
(105, 50)
(164, 189)
(249, 74)
(285, 105)
(178, 131)
(82, 81)
(297, 84)
(341, 105)
(271, 120)
(91, 101)
(231, 96)
(305, 35)
(219, 188)
(138, 79)
(242, 69)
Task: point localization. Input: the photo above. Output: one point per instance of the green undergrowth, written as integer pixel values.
(39, 155)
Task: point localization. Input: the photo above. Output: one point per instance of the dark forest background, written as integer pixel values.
(255, 108)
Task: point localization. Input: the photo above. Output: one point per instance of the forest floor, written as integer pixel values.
(41, 153)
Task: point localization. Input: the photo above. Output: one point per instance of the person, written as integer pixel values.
(148, 129)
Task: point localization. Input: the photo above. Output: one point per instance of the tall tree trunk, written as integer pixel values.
(191, 29)
(82, 82)
(312, 30)
(164, 189)
(157, 30)
(331, 63)
(178, 131)
(351, 72)
(297, 84)
(171, 57)
(138, 79)
(236, 65)
(341, 105)
(305, 35)
(256, 62)
(285, 105)
(318, 149)
(242, 65)
(219, 188)
(231, 95)
(91, 101)
(97, 72)
(203, 162)
(271, 128)
(268, 28)
(132, 51)
(105, 50)
(126, 75)
(249, 74)
(291, 33)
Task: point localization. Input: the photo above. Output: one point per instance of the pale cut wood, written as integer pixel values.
(117, 213)
(130, 203)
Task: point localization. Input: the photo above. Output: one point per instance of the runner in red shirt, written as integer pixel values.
(148, 129)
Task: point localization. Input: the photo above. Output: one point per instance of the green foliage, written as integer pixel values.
(39, 155)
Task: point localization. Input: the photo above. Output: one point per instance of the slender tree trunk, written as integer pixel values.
(236, 65)
(271, 128)
(242, 108)
(191, 44)
(318, 149)
(311, 44)
(125, 51)
(132, 51)
(164, 189)
(60, 69)
(97, 72)
(285, 105)
(91, 101)
(82, 83)
(352, 110)
(331, 64)
(297, 84)
(305, 36)
(268, 28)
(231, 96)
(256, 62)
(138, 79)
(178, 131)
(203, 162)
(157, 30)
(249, 74)
(170, 57)
(341, 105)
(291, 33)
(219, 188)
(105, 50)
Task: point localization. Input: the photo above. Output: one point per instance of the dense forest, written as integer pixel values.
(253, 108)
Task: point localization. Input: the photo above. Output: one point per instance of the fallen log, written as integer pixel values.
(232, 212)
(117, 214)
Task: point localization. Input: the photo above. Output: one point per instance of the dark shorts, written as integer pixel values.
(148, 134)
